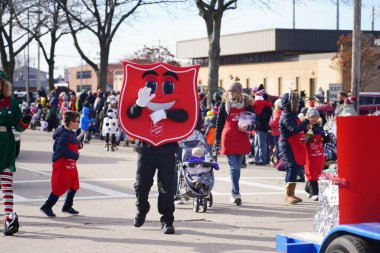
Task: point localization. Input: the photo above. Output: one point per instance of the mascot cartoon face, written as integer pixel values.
(171, 89)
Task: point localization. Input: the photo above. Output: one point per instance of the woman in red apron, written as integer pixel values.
(234, 142)
(65, 173)
(315, 158)
(292, 143)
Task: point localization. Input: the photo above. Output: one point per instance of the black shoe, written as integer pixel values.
(244, 165)
(11, 224)
(140, 218)
(260, 164)
(251, 162)
(167, 228)
(70, 210)
(47, 211)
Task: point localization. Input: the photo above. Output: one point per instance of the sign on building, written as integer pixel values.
(334, 89)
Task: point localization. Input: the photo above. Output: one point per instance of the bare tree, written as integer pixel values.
(54, 24)
(101, 19)
(212, 12)
(370, 59)
(11, 34)
(154, 54)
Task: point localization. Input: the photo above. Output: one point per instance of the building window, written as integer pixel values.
(221, 83)
(84, 87)
(297, 83)
(247, 83)
(83, 74)
(279, 86)
(265, 83)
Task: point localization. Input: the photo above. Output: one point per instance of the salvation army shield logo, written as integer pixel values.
(175, 89)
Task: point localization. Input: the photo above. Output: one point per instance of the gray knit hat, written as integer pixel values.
(312, 112)
(236, 87)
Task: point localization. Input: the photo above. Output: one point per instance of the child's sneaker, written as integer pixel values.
(70, 210)
(11, 224)
(47, 211)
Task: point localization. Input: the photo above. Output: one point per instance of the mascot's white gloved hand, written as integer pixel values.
(144, 97)
(158, 115)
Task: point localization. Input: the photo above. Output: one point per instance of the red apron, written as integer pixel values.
(234, 141)
(315, 158)
(65, 174)
(298, 144)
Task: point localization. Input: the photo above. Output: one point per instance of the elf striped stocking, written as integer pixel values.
(6, 180)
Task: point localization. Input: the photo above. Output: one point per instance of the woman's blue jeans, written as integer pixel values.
(235, 163)
(291, 174)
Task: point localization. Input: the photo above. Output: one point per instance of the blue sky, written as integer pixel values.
(155, 25)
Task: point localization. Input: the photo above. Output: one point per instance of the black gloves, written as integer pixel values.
(216, 148)
(26, 119)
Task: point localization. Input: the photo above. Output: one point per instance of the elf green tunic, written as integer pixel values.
(10, 116)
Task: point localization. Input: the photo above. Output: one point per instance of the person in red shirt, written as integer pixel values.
(274, 123)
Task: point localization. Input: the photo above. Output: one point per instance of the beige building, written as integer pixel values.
(277, 58)
(84, 77)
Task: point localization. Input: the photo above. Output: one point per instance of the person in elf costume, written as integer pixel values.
(159, 106)
(315, 158)
(10, 117)
(292, 143)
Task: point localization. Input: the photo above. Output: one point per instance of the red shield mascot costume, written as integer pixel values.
(159, 107)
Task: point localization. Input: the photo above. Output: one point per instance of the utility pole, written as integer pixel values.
(337, 14)
(373, 18)
(27, 65)
(38, 86)
(294, 14)
(356, 46)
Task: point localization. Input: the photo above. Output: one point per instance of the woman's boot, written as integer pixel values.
(289, 193)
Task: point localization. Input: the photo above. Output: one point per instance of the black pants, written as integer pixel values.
(146, 169)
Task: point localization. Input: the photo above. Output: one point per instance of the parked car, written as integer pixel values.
(369, 102)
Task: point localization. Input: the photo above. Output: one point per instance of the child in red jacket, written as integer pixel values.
(315, 157)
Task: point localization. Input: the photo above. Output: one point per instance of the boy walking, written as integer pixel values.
(65, 173)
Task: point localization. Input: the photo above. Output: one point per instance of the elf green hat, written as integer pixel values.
(4, 76)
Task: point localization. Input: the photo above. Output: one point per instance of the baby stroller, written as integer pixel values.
(191, 174)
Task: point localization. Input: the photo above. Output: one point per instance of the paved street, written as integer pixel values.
(106, 205)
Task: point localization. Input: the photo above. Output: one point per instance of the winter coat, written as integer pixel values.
(62, 137)
(263, 111)
(348, 110)
(232, 140)
(85, 120)
(10, 116)
(289, 127)
(275, 123)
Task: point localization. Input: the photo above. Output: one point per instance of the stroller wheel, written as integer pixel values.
(196, 204)
(204, 206)
(210, 200)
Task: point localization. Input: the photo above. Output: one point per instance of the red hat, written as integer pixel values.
(349, 100)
